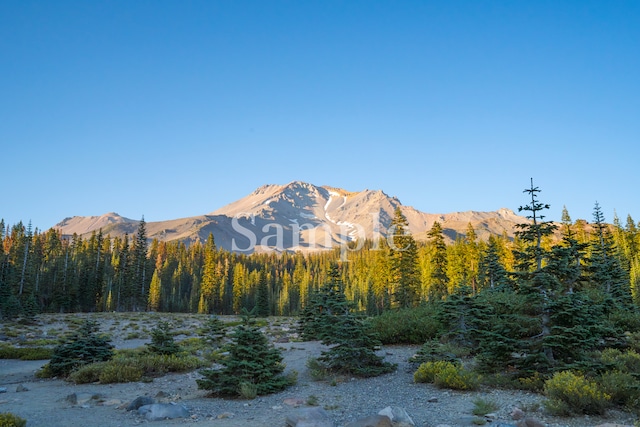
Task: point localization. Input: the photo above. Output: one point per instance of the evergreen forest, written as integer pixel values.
(43, 271)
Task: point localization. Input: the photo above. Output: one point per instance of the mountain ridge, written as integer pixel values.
(299, 216)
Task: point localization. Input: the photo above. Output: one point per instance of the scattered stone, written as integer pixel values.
(491, 416)
(398, 416)
(530, 422)
(163, 411)
(161, 394)
(111, 402)
(372, 421)
(309, 417)
(276, 407)
(517, 414)
(140, 401)
(443, 425)
(613, 425)
(21, 389)
(72, 398)
(433, 400)
(225, 415)
(3, 389)
(293, 401)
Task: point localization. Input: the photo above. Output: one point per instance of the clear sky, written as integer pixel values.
(170, 109)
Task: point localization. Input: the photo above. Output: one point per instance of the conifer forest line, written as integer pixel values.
(46, 272)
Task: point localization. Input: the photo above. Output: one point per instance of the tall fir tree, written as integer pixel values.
(403, 260)
(262, 295)
(438, 280)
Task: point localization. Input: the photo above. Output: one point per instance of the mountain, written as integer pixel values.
(299, 216)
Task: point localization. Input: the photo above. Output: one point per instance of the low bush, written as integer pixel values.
(7, 419)
(248, 390)
(569, 393)
(484, 406)
(623, 361)
(133, 366)
(446, 374)
(115, 372)
(407, 326)
(87, 374)
(317, 370)
(623, 388)
(25, 353)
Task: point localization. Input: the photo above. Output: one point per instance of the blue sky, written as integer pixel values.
(169, 109)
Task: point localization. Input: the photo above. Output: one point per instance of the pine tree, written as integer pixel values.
(438, 279)
(329, 319)
(213, 331)
(252, 360)
(210, 280)
(605, 270)
(325, 306)
(84, 347)
(162, 341)
(140, 264)
(491, 272)
(538, 285)
(155, 292)
(405, 278)
(262, 295)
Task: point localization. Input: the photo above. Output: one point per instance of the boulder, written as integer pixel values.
(140, 401)
(372, 421)
(517, 413)
(398, 416)
(530, 422)
(163, 411)
(21, 389)
(309, 417)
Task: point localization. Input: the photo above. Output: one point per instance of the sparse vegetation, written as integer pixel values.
(25, 353)
(483, 407)
(8, 419)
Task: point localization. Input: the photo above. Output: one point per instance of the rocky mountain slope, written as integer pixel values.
(299, 216)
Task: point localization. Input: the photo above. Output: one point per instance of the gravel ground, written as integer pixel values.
(44, 404)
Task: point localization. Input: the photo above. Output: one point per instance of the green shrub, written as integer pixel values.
(132, 366)
(623, 388)
(25, 353)
(248, 390)
(407, 326)
(623, 361)
(447, 375)
(484, 406)
(7, 419)
(317, 370)
(114, 372)
(569, 394)
(87, 374)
